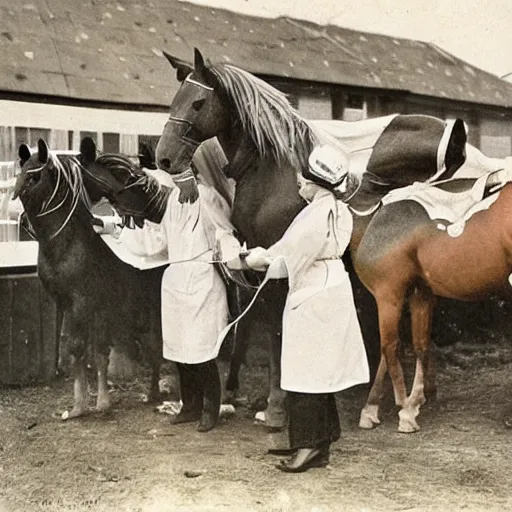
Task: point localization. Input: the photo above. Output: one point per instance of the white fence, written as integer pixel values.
(10, 211)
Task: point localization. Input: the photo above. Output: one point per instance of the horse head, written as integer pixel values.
(123, 183)
(197, 113)
(50, 186)
(106, 174)
(34, 184)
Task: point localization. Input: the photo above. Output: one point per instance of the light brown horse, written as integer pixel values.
(403, 257)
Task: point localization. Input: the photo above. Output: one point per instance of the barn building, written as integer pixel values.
(71, 69)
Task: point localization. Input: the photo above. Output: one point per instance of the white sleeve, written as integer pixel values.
(148, 241)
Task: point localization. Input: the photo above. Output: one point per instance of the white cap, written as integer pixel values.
(327, 166)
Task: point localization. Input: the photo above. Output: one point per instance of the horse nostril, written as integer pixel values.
(164, 163)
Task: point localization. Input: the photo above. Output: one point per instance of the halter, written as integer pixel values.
(191, 136)
(199, 84)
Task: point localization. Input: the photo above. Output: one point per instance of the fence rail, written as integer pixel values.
(10, 211)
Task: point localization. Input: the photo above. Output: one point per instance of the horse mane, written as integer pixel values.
(117, 162)
(266, 116)
(70, 169)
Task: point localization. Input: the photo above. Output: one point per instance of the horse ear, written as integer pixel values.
(42, 151)
(202, 68)
(146, 156)
(199, 64)
(24, 153)
(88, 150)
(183, 69)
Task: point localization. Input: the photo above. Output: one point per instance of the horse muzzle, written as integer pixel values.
(20, 187)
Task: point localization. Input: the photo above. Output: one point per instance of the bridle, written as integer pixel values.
(192, 136)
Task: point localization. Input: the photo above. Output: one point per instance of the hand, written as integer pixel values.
(256, 258)
(236, 264)
(186, 182)
(189, 192)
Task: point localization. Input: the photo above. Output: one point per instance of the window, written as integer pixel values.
(111, 142)
(354, 108)
(315, 104)
(354, 101)
(30, 136)
(93, 135)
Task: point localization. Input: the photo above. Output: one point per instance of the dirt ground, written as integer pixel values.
(132, 460)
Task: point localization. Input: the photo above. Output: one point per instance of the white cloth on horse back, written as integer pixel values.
(194, 301)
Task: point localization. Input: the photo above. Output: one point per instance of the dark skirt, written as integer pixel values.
(313, 419)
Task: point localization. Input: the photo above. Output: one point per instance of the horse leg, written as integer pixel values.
(235, 363)
(390, 311)
(421, 305)
(370, 413)
(275, 413)
(154, 387)
(101, 354)
(101, 343)
(77, 349)
(155, 356)
(240, 298)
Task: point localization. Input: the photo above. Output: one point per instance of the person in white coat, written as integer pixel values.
(322, 348)
(194, 298)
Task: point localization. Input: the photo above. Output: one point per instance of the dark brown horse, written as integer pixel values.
(120, 182)
(267, 143)
(403, 257)
(90, 284)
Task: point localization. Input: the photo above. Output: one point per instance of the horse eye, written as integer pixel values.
(198, 104)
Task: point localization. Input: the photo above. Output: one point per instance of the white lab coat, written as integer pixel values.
(194, 301)
(323, 349)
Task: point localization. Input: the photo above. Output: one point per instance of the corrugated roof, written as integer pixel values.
(111, 51)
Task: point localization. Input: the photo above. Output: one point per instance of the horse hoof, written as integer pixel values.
(103, 407)
(507, 422)
(408, 429)
(369, 417)
(207, 422)
(74, 413)
(227, 410)
(407, 425)
(260, 417)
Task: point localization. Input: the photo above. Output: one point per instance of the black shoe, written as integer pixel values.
(304, 459)
(281, 451)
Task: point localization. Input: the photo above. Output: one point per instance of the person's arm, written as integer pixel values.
(304, 240)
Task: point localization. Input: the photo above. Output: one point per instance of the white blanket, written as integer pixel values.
(355, 140)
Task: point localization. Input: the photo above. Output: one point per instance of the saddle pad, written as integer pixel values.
(438, 203)
(453, 208)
